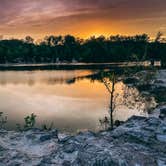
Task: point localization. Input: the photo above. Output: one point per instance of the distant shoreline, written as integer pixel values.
(67, 63)
(42, 66)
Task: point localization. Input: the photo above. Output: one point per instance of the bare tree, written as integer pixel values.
(110, 86)
(131, 98)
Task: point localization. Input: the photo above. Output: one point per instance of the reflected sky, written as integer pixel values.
(53, 97)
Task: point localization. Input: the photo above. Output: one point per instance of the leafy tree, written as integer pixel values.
(53, 40)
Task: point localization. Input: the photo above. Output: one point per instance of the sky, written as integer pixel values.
(81, 18)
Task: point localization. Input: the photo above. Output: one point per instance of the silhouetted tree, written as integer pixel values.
(110, 86)
(68, 48)
(52, 40)
(158, 36)
(29, 39)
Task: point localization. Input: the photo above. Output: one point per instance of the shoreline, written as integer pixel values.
(143, 137)
(138, 141)
(74, 66)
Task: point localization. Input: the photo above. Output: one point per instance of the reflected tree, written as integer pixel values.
(133, 99)
(127, 97)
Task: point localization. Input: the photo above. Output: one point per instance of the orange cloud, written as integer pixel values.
(81, 18)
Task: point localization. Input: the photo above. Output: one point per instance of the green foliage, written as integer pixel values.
(68, 48)
(3, 120)
(30, 121)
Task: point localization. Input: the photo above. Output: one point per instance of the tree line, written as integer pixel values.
(53, 49)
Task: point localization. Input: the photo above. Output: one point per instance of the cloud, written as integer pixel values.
(39, 15)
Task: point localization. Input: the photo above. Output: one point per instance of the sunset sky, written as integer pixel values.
(82, 18)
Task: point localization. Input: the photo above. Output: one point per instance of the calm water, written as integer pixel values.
(69, 99)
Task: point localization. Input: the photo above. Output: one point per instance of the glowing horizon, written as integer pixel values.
(83, 19)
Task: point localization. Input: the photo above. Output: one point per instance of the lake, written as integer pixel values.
(71, 99)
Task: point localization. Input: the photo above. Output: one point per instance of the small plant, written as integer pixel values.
(30, 121)
(3, 120)
(47, 128)
(104, 123)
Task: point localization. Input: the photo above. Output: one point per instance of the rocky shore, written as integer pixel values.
(139, 141)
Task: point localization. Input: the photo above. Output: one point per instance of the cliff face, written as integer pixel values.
(138, 142)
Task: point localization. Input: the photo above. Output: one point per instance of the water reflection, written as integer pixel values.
(72, 100)
(47, 77)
